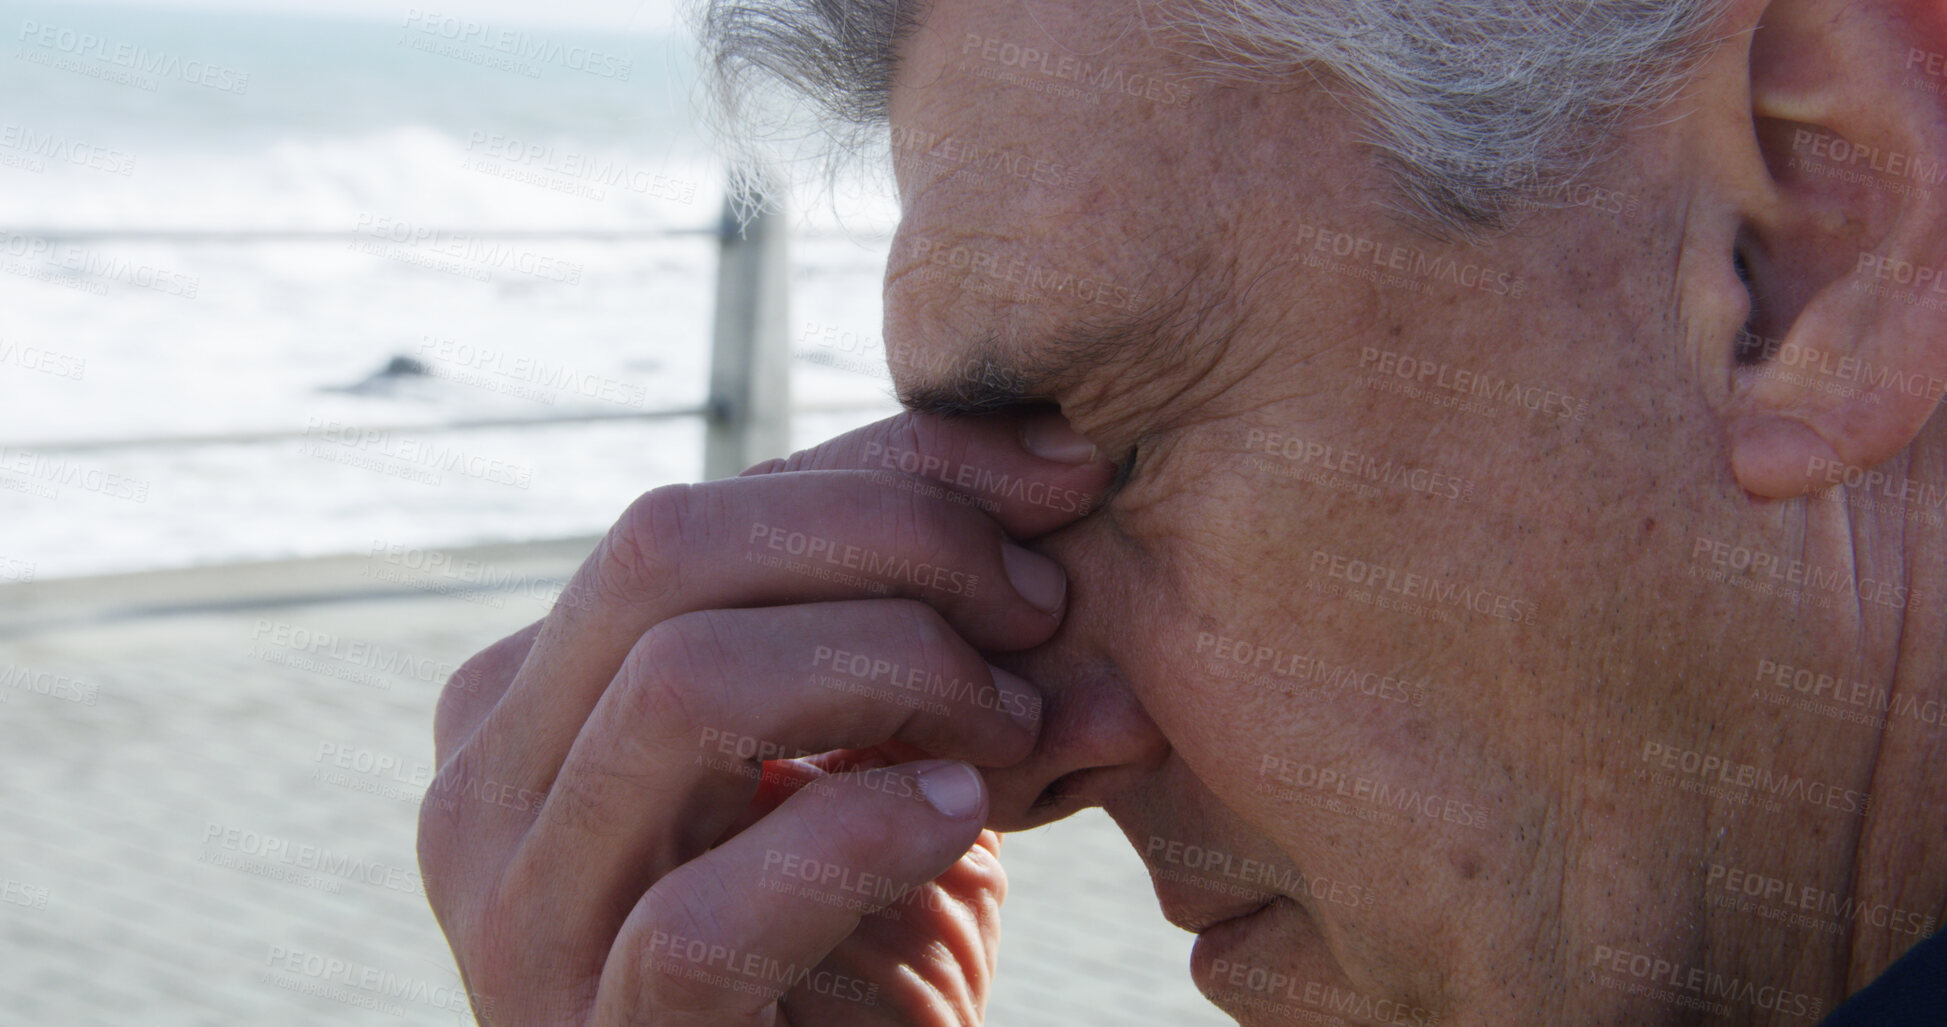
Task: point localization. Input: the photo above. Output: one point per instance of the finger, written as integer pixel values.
(816, 536)
(933, 953)
(1027, 469)
(674, 752)
(781, 779)
(475, 688)
(721, 938)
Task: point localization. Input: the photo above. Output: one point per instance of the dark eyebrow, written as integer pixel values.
(984, 385)
(978, 384)
(985, 380)
(989, 376)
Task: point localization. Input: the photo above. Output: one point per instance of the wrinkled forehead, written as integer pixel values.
(1068, 181)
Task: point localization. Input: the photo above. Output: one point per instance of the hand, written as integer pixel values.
(689, 795)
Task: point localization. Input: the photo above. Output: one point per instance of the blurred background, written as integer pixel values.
(332, 333)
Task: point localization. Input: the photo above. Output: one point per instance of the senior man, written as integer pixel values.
(1456, 482)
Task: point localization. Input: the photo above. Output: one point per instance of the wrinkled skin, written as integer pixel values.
(1591, 523)
(1491, 740)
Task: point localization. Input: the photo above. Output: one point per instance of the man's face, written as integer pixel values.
(1403, 573)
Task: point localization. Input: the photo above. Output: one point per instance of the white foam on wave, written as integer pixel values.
(484, 180)
(410, 171)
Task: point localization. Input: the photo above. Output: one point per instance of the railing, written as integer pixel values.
(747, 414)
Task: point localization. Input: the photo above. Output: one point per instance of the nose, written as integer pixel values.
(1095, 741)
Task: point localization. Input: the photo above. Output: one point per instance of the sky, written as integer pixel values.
(615, 15)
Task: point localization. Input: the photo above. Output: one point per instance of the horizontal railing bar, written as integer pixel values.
(338, 430)
(246, 235)
(341, 431)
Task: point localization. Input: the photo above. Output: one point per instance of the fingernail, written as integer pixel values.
(1050, 437)
(1018, 699)
(1039, 580)
(952, 787)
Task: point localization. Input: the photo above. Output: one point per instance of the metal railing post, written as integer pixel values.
(750, 361)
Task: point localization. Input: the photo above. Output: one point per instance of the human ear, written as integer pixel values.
(1843, 243)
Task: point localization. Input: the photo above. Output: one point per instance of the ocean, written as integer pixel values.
(215, 223)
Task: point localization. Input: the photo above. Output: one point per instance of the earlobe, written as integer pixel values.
(1852, 287)
(1860, 371)
(1775, 457)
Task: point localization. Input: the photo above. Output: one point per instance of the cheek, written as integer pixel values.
(1203, 648)
(1338, 734)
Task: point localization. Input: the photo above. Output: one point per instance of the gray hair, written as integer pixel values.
(1476, 106)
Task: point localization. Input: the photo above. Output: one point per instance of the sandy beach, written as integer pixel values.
(212, 783)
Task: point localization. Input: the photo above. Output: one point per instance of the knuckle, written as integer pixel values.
(448, 844)
(439, 825)
(435, 847)
(666, 688)
(854, 450)
(463, 692)
(487, 908)
(952, 442)
(585, 801)
(490, 950)
(985, 876)
(665, 944)
(509, 978)
(926, 435)
(670, 681)
(641, 557)
(450, 716)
